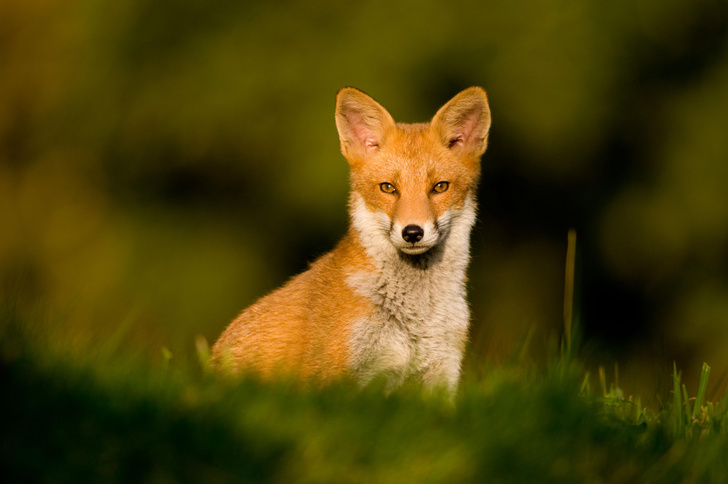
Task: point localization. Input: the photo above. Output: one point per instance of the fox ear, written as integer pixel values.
(363, 124)
(463, 122)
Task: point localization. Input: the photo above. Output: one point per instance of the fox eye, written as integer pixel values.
(387, 187)
(441, 187)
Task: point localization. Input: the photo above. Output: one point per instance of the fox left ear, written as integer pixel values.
(463, 122)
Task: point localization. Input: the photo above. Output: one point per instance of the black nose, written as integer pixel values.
(412, 233)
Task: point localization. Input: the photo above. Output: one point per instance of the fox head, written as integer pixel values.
(411, 182)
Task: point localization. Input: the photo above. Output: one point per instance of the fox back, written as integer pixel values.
(390, 299)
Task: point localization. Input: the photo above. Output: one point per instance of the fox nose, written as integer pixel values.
(412, 233)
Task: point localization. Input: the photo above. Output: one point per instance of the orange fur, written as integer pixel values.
(300, 328)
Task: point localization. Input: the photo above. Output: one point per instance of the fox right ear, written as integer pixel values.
(362, 122)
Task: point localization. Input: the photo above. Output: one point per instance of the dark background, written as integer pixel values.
(163, 163)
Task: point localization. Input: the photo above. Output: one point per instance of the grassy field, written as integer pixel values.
(115, 418)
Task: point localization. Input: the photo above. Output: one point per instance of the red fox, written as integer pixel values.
(390, 299)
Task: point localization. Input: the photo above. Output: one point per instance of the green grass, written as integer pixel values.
(72, 418)
(93, 412)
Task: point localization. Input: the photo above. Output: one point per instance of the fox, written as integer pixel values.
(390, 299)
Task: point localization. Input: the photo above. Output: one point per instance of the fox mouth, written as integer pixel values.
(415, 249)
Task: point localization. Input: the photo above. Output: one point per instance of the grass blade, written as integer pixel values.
(702, 387)
(688, 413)
(203, 353)
(603, 381)
(569, 285)
(677, 402)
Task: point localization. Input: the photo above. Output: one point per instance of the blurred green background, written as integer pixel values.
(163, 163)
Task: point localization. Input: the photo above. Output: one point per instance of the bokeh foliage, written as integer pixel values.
(164, 163)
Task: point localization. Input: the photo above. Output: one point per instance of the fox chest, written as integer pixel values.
(415, 323)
